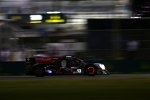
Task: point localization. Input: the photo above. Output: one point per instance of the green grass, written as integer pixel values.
(75, 89)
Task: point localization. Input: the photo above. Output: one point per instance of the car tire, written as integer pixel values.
(91, 70)
(39, 71)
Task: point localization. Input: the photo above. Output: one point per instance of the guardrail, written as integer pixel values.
(114, 66)
(12, 68)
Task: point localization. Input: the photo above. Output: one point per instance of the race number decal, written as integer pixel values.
(79, 70)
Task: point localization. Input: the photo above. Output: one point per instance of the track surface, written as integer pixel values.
(120, 76)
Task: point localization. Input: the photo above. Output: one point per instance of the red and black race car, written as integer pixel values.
(41, 66)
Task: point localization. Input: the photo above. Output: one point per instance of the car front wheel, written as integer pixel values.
(39, 72)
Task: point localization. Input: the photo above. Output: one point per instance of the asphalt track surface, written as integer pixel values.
(120, 76)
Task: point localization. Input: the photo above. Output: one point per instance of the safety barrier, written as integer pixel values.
(114, 66)
(12, 68)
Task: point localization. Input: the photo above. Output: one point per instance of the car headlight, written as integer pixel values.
(49, 71)
(102, 66)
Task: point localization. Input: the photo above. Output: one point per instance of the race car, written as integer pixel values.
(66, 65)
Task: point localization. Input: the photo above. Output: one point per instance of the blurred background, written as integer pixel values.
(103, 29)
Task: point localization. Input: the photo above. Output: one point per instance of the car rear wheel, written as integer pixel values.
(39, 71)
(91, 70)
